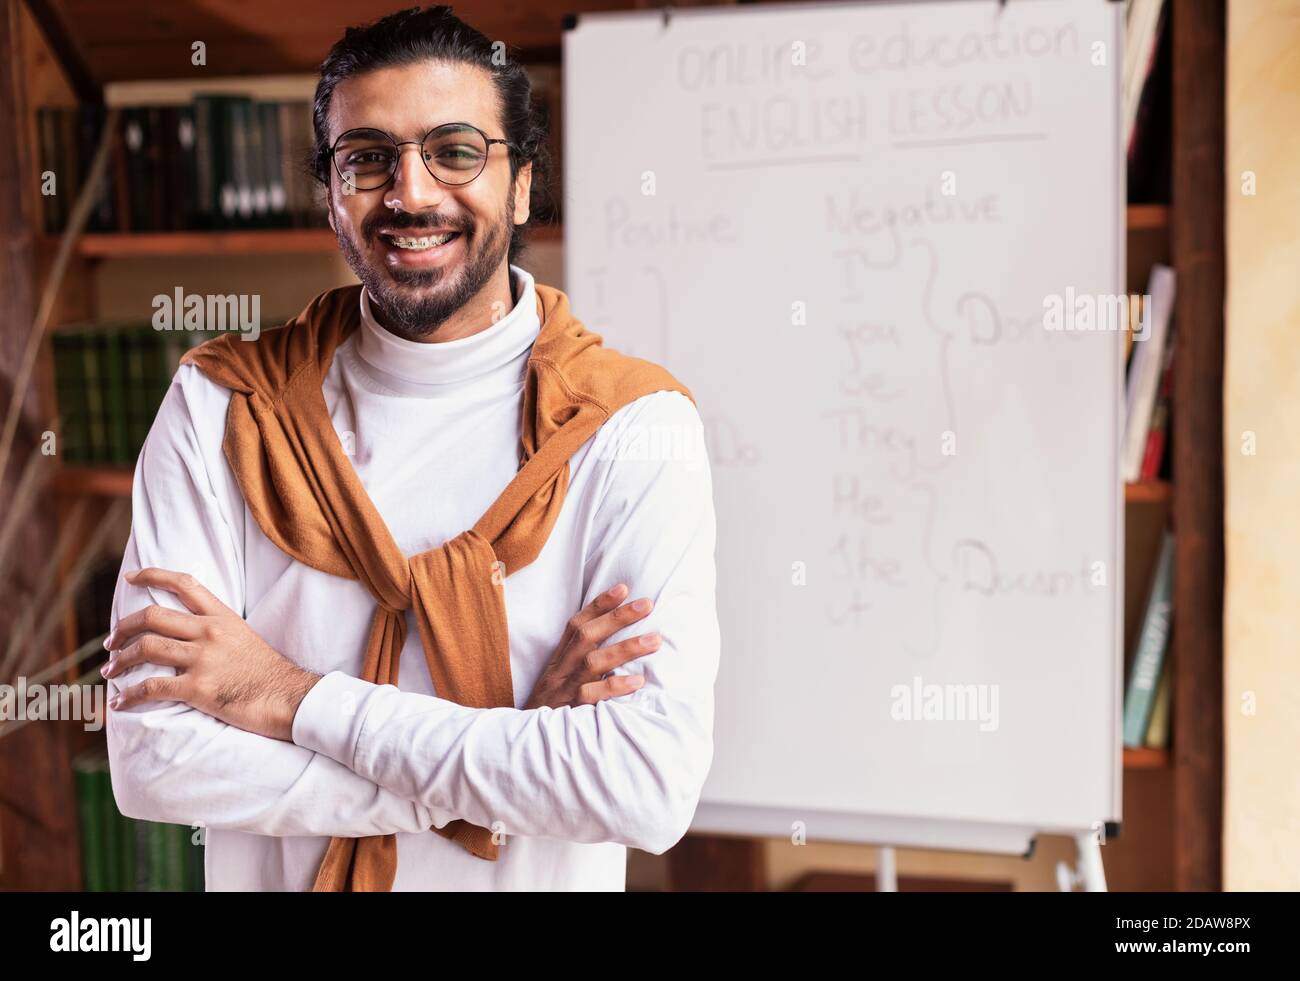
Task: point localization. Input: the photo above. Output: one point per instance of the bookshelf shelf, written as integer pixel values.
(94, 481)
(252, 241)
(1148, 492)
(1146, 758)
(1147, 217)
(218, 243)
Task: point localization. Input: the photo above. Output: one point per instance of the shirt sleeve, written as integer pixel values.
(170, 762)
(627, 770)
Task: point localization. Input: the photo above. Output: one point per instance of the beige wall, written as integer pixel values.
(1262, 396)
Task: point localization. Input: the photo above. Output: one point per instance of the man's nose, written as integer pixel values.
(413, 187)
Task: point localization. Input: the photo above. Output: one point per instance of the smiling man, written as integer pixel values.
(365, 632)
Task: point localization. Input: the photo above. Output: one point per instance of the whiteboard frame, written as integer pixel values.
(749, 820)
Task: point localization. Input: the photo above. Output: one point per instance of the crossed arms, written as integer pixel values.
(368, 759)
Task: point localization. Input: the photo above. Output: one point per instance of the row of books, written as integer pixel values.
(121, 854)
(1147, 696)
(1147, 99)
(109, 381)
(1149, 382)
(219, 161)
(222, 161)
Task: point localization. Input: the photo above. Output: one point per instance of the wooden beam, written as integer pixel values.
(66, 47)
(144, 39)
(1199, 39)
(38, 827)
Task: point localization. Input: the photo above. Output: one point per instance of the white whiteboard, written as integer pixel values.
(942, 465)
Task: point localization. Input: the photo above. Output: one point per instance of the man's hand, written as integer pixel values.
(575, 674)
(223, 668)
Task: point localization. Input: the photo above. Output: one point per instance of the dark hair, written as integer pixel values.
(436, 33)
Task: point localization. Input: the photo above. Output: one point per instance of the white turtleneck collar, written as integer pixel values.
(441, 367)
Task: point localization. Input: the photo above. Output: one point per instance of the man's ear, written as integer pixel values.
(523, 192)
(329, 207)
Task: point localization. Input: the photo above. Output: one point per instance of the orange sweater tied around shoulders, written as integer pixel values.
(300, 487)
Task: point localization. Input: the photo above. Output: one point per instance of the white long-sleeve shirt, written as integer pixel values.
(433, 432)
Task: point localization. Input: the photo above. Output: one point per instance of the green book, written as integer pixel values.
(86, 769)
(124, 831)
(97, 446)
(171, 345)
(119, 836)
(1153, 641)
(115, 402)
(139, 394)
(141, 871)
(183, 850)
(113, 838)
(157, 373)
(70, 389)
(166, 858)
(155, 858)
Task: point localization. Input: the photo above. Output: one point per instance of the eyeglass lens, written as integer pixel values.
(366, 158)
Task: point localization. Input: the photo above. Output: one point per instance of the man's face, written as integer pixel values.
(417, 289)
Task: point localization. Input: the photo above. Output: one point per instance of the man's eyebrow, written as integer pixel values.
(422, 133)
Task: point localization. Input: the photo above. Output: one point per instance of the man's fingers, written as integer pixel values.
(603, 603)
(607, 625)
(606, 659)
(619, 684)
(150, 649)
(583, 638)
(157, 620)
(190, 591)
(160, 688)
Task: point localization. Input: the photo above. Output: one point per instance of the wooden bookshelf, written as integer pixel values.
(229, 242)
(209, 243)
(1146, 758)
(1147, 217)
(1198, 250)
(94, 481)
(1148, 492)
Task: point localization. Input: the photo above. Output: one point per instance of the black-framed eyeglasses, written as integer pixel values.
(453, 153)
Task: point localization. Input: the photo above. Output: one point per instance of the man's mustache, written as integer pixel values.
(404, 221)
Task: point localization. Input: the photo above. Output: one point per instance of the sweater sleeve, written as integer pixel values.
(170, 762)
(627, 770)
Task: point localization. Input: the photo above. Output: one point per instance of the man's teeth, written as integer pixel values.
(427, 242)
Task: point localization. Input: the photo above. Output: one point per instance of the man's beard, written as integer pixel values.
(413, 315)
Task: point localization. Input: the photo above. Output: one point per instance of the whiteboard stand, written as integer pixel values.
(1089, 874)
(887, 871)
